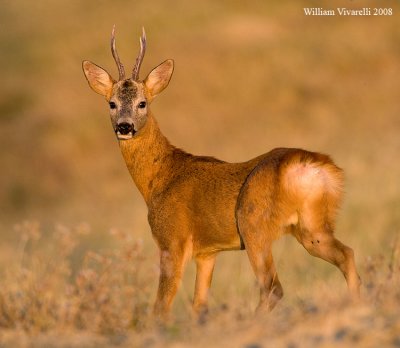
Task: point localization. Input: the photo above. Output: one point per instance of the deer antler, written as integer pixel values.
(139, 59)
(120, 67)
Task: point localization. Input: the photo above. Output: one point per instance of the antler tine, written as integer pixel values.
(120, 67)
(139, 59)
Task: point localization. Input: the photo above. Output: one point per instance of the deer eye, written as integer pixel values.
(112, 105)
(142, 104)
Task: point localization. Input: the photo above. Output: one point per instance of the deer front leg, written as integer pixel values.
(205, 268)
(172, 262)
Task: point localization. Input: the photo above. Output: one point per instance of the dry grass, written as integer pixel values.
(107, 293)
(104, 301)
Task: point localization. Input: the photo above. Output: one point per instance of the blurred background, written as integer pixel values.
(249, 76)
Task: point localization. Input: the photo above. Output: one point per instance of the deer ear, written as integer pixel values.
(159, 78)
(99, 79)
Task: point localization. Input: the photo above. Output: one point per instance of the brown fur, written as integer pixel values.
(199, 206)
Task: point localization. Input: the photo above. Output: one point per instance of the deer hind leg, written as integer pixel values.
(271, 290)
(256, 220)
(263, 265)
(205, 268)
(259, 250)
(315, 233)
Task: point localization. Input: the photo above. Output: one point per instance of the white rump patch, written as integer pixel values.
(305, 178)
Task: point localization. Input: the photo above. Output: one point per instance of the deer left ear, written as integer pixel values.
(159, 78)
(99, 79)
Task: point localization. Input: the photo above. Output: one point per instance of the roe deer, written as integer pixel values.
(199, 206)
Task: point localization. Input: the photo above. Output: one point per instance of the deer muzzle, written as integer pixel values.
(125, 130)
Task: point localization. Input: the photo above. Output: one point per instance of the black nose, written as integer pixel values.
(125, 128)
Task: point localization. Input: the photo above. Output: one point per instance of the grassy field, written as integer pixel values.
(45, 302)
(78, 264)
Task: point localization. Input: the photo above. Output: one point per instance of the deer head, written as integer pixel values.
(130, 97)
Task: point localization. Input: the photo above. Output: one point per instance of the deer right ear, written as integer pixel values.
(99, 79)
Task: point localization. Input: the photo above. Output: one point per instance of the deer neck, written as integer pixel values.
(149, 158)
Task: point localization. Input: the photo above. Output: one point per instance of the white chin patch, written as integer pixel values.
(124, 136)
